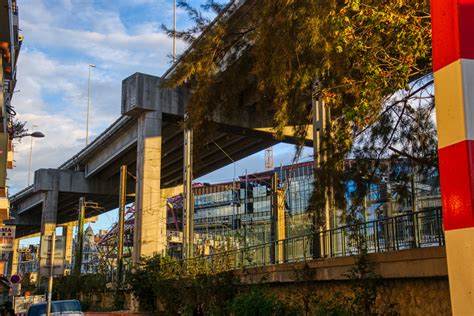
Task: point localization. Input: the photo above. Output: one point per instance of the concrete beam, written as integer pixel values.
(28, 202)
(268, 133)
(69, 181)
(173, 101)
(77, 160)
(23, 221)
(109, 152)
(142, 92)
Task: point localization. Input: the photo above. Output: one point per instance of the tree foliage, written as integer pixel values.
(257, 302)
(69, 286)
(404, 135)
(360, 51)
(161, 280)
(368, 60)
(17, 129)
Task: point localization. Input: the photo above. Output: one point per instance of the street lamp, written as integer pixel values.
(88, 103)
(174, 32)
(32, 135)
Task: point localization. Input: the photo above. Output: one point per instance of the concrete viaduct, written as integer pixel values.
(148, 138)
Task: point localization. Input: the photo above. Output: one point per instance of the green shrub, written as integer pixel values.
(338, 305)
(257, 303)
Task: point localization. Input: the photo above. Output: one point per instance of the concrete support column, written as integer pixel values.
(453, 67)
(68, 232)
(150, 219)
(16, 245)
(48, 222)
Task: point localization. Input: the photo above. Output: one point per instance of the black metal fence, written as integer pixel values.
(408, 231)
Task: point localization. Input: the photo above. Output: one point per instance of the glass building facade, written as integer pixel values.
(239, 214)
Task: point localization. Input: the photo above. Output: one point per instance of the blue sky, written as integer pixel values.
(61, 38)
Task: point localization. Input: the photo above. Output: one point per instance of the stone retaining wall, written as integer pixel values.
(417, 296)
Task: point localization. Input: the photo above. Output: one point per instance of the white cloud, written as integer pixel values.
(61, 39)
(63, 138)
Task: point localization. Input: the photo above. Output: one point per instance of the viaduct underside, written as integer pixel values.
(148, 139)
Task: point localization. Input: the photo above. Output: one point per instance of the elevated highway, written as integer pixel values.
(148, 138)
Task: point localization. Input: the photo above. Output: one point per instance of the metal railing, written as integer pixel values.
(415, 230)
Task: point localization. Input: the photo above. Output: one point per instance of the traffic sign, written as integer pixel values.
(14, 279)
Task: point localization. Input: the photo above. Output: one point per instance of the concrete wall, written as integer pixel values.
(412, 263)
(408, 296)
(413, 282)
(106, 301)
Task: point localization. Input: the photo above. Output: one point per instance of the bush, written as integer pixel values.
(339, 305)
(257, 303)
(154, 280)
(69, 286)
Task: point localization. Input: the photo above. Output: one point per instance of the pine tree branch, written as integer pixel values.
(391, 106)
(424, 161)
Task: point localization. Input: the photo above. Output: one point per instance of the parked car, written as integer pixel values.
(58, 308)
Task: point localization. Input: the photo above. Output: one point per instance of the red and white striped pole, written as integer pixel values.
(453, 67)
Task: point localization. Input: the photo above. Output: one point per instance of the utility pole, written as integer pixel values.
(51, 270)
(188, 229)
(31, 154)
(122, 203)
(414, 210)
(278, 235)
(274, 218)
(246, 190)
(174, 32)
(318, 114)
(88, 103)
(80, 235)
(83, 205)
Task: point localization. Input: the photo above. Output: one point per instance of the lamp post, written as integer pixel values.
(88, 103)
(32, 135)
(174, 32)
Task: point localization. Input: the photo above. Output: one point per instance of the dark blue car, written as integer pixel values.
(66, 307)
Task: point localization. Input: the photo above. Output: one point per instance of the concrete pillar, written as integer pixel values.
(68, 232)
(150, 219)
(453, 67)
(48, 222)
(16, 245)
